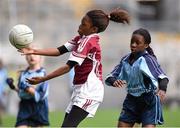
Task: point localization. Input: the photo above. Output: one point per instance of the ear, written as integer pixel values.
(146, 45)
(94, 29)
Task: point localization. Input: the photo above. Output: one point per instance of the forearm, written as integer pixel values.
(16, 89)
(110, 81)
(47, 52)
(60, 71)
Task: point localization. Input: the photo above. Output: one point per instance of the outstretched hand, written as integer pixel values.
(26, 51)
(10, 82)
(35, 80)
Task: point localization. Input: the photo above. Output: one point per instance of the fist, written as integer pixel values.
(10, 82)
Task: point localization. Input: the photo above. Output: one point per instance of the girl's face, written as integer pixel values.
(86, 27)
(33, 59)
(138, 43)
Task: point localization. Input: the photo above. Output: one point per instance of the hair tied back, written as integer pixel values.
(109, 16)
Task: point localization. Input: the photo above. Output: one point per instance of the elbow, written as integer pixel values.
(67, 68)
(58, 54)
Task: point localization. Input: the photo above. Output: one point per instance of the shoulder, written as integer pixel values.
(124, 58)
(89, 42)
(150, 60)
(76, 38)
(41, 70)
(92, 39)
(22, 71)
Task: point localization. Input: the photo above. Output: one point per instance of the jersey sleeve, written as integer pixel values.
(150, 67)
(72, 44)
(79, 54)
(111, 77)
(116, 72)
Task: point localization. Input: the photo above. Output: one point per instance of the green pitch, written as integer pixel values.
(103, 118)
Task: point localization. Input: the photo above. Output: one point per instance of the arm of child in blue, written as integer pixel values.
(112, 77)
(41, 91)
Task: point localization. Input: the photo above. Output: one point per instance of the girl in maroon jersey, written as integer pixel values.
(88, 89)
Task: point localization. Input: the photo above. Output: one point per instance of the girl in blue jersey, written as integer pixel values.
(145, 80)
(33, 107)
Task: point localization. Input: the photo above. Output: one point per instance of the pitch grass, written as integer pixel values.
(103, 118)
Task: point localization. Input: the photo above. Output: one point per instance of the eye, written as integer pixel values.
(138, 42)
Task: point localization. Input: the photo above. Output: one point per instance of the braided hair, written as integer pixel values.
(101, 20)
(147, 38)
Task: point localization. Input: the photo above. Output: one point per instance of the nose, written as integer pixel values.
(133, 44)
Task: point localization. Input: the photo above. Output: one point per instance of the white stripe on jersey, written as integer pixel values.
(82, 44)
(77, 59)
(70, 45)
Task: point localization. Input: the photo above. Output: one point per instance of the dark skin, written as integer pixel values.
(137, 45)
(85, 28)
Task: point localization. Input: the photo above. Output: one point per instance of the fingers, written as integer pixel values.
(31, 81)
(28, 80)
(34, 80)
(22, 52)
(119, 83)
(161, 95)
(25, 51)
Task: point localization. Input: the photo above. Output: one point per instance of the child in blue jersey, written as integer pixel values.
(33, 107)
(145, 80)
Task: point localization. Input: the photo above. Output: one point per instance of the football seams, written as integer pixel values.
(20, 36)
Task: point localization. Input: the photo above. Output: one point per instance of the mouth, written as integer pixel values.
(133, 50)
(79, 31)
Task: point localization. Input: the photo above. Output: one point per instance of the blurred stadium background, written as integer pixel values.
(56, 21)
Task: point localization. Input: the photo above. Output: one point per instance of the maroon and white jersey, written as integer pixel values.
(86, 52)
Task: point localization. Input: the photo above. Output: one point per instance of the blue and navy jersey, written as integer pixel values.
(141, 76)
(42, 89)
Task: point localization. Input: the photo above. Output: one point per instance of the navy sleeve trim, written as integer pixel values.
(110, 80)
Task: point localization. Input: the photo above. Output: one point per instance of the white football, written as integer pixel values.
(20, 36)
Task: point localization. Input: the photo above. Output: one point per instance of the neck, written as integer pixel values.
(34, 67)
